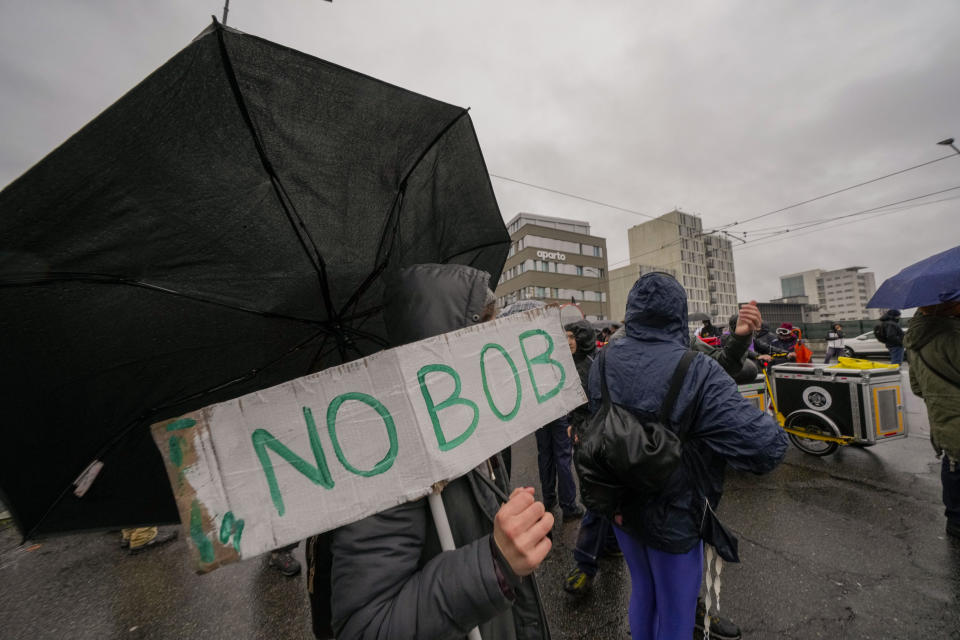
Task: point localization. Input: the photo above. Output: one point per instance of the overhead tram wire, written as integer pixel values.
(833, 193)
(842, 219)
(729, 224)
(747, 242)
(573, 195)
(801, 227)
(774, 230)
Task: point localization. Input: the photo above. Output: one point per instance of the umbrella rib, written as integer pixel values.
(286, 203)
(101, 278)
(368, 281)
(396, 208)
(479, 246)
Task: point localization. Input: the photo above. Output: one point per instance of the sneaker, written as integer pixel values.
(953, 529)
(720, 628)
(573, 514)
(577, 582)
(285, 563)
(162, 537)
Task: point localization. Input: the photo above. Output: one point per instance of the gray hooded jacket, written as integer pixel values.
(389, 578)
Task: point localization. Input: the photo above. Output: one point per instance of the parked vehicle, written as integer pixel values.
(864, 345)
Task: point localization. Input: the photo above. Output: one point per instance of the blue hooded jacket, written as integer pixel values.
(716, 424)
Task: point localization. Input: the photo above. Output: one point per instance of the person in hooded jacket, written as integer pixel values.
(934, 343)
(388, 577)
(761, 340)
(595, 536)
(893, 335)
(662, 539)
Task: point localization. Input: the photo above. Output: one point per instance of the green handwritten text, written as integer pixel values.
(319, 474)
(433, 409)
(543, 358)
(486, 387)
(391, 455)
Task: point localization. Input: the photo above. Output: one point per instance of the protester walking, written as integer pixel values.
(662, 537)
(934, 343)
(834, 342)
(554, 456)
(385, 576)
(892, 335)
(595, 536)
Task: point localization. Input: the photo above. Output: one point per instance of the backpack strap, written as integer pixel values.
(676, 382)
(604, 392)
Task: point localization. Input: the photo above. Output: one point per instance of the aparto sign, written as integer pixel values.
(552, 255)
(275, 466)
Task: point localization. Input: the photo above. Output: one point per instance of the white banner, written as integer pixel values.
(278, 465)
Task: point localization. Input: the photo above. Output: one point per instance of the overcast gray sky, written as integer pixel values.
(724, 109)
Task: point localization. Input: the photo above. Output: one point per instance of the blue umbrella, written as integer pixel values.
(930, 281)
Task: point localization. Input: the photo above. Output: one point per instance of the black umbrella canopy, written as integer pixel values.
(222, 228)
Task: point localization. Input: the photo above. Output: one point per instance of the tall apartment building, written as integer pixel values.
(555, 260)
(841, 294)
(702, 263)
(621, 281)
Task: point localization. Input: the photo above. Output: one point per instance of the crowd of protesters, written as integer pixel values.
(386, 576)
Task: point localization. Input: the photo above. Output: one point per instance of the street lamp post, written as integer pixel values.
(949, 143)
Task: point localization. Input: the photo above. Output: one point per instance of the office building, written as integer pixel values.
(841, 294)
(555, 260)
(702, 263)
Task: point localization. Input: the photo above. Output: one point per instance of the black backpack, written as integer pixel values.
(623, 457)
(880, 333)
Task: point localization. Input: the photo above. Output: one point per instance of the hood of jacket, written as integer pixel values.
(923, 329)
(586, 337)
(657, 310)
(890, 316)
(425, 300)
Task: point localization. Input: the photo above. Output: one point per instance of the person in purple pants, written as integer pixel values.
(662, 535)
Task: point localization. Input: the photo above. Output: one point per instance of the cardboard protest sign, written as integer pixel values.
(275, 466)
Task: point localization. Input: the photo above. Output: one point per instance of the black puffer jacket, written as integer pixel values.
(892, 332)
(388, 577)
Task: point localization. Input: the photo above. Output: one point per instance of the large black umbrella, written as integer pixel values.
(221, 228)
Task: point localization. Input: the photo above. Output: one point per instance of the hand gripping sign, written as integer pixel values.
(275, 466)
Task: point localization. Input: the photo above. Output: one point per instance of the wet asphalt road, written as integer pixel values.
(848, 546)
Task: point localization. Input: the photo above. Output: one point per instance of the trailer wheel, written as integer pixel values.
(814, 423)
